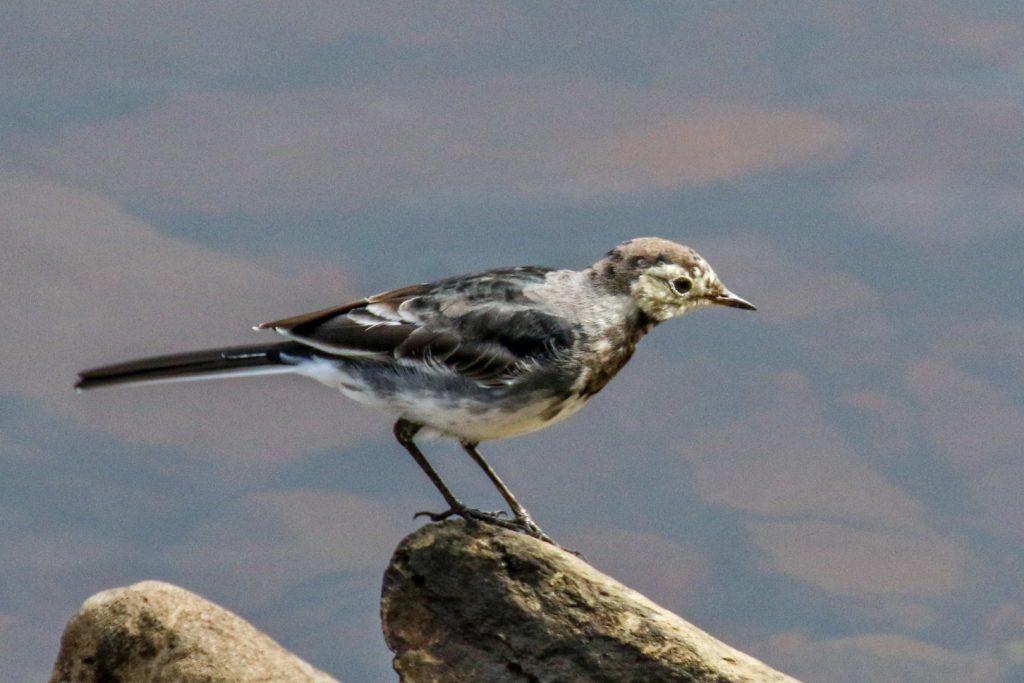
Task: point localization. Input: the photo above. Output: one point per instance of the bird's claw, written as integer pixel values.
(529, 527)
(495, 517)
(524, 524)
(434, 516)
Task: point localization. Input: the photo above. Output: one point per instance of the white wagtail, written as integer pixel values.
(477, 357)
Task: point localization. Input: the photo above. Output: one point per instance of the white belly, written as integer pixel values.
(471, 420)
(477, 423)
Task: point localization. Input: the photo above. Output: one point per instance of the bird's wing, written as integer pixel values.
(481, 326)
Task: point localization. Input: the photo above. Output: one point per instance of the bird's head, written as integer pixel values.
(665, 279)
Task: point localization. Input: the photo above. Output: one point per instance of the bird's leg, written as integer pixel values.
(405, 430)
(522, 516)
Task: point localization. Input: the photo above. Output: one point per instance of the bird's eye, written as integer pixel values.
(682, 285)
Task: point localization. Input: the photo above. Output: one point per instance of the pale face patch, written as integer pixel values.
(656, 296)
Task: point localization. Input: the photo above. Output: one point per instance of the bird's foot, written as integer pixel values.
(495, 517)
(526, 525)
(522, 523)
(529, 527)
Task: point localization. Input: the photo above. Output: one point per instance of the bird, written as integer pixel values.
(479, 357)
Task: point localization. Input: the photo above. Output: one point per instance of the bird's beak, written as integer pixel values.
(727, 298)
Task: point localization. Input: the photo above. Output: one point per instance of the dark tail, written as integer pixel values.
(263, 359)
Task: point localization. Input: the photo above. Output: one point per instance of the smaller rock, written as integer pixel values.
(154, 632)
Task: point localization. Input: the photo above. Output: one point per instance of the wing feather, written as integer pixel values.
(482, 327)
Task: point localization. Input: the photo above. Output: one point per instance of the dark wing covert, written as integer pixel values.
(481, 326)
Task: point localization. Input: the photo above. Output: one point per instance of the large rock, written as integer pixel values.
(154, 632)
(478, 603)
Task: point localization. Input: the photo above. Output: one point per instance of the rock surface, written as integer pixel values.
(154, 632)
(478, 603)
(461, 603)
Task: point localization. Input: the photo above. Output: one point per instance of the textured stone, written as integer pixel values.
(475, 603)
(154, 632)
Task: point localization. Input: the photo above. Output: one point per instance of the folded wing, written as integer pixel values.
(482, 327)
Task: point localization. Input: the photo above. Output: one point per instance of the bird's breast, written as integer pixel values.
(603, 354)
